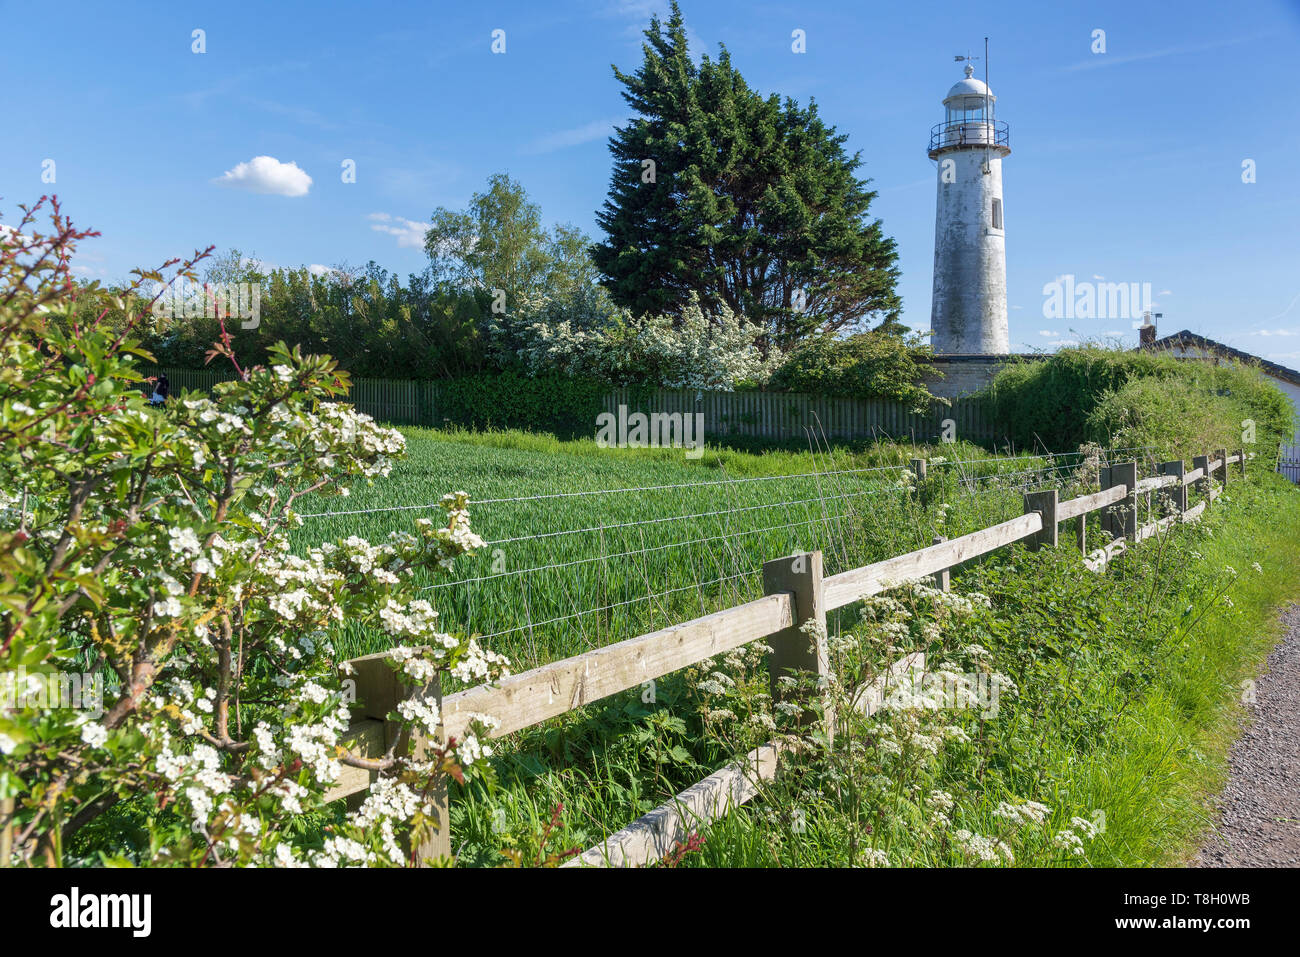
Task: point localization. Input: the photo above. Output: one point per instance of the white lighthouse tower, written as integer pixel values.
(968, 314)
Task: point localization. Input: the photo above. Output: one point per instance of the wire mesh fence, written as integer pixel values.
(564, 572)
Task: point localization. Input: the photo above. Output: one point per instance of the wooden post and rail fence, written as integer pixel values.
(797, 594)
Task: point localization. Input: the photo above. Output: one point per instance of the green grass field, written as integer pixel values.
(662, 538)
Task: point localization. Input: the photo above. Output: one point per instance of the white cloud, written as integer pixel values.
(696, 47)
(1164, 292)
(1064, 342)
(562, 139)
(16, 237)
(266, 174)
(1048, 332)
(316, 269)
(1098, 278)
(409, 233)
(1275, 332)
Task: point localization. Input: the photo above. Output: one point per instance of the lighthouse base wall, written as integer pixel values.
(952, 376)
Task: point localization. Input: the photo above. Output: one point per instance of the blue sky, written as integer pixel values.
(1125, 165)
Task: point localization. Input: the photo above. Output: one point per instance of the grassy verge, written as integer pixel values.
(1127, 696)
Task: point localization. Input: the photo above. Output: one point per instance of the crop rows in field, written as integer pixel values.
(584, 550)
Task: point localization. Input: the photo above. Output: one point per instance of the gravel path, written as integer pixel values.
(1260, 806)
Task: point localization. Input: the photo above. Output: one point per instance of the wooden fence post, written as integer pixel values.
(1044, 503)
(1123, 521)
(1103, 481)
(1113, 517)
(1202, 462)
(919, 472)
(1241, 461)
(6, 830)
(1222, 456)
(1082, 533)
(1177, 470)
(942, 579)
(379, 691)
(793, 650)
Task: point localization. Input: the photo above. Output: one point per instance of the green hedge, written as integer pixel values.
(564, 406)
(869, 365)
(1178, 406)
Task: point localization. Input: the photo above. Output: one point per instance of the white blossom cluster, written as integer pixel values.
(1029, 812)
(701, 348)
(983, 849)
(228, 704)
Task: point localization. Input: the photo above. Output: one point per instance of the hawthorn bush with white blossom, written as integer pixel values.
(702, 348)
(149, 545)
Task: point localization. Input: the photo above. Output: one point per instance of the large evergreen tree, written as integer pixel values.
(750, 200)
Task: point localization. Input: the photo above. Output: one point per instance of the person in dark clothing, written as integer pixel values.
(161, 388)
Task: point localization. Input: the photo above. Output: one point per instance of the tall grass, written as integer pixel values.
(662, 538)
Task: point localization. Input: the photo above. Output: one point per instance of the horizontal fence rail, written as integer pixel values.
(797, 595)
(860, 583)
(523, 700)
(659, 832)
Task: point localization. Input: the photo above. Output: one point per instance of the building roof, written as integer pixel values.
(1190, 340)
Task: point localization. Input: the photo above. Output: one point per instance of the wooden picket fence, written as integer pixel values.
(400, 401)
(796, 593)
(790, 415)
(776, 416)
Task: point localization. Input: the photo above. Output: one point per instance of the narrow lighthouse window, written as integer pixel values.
(997, 214)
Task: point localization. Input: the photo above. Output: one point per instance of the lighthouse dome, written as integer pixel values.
(969, 87)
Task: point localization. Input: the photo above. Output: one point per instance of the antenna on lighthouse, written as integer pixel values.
(988, 116)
